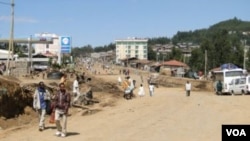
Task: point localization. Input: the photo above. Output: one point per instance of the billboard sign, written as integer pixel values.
(65, 42)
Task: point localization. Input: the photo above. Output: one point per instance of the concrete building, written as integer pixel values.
(131, 47)
(53, 48)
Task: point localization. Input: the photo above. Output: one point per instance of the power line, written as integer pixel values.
(5, 3)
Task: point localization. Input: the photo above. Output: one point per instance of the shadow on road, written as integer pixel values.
(72, 133)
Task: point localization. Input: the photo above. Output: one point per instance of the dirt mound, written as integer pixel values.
(12, 99)
(100, 85)
(16, 98)
(197, 85)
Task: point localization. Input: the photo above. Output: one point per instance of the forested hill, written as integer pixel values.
(232, 25)
(235, 26)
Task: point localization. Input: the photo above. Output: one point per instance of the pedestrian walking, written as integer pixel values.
(188, 88)
(62, 104)
(151, 89)
(141, 91)
(219, 87)
(76, 91)
(119, 80)
(127, 89)
(63, 79)
(141, 79)
(132, 86)
(40, 99)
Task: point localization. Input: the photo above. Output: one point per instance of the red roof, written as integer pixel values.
(174, 63)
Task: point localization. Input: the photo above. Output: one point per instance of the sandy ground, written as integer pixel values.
(167, 116)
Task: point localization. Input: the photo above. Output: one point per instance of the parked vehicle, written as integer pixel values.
(248, 84)
(55, 75)
(40, 67)
(238, 86)
(226, 76)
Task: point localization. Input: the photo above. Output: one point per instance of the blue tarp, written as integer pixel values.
(228, 66)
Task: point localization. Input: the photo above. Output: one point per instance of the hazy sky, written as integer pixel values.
(100, 22)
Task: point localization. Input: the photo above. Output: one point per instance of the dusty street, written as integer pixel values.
(168, 115)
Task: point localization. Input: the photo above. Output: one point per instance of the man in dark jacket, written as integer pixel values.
(219, 87)
(62, 104)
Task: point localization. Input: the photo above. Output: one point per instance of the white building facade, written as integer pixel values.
(131, 47)
(45, 48)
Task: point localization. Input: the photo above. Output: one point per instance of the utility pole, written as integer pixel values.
(11, 48)
(244, 61)
(30, 55)
(205, 63)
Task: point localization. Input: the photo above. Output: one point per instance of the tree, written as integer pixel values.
(176, 54)
(151, 54)
(197, 59)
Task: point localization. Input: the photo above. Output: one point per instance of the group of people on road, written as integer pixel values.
(57, 105)
(128, 85)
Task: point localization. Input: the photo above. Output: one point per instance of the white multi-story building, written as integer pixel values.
(131, 47)
(53, 48)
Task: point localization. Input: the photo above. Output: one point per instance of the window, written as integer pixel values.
(136, 52)
(237, 81)
(47, 45)
(234, 73)
(144, 47)
(136, 47)
(243, 81)
(129, 47)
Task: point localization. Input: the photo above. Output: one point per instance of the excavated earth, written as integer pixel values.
(16, 98)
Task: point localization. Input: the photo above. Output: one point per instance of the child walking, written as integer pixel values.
(141, 91)
(151, 89)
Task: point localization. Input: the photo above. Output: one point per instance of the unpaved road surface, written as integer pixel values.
(168, 115)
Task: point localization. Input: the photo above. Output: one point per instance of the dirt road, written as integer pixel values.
(168, 115)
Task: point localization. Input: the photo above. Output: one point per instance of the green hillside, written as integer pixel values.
(235, 26)
(232, 25)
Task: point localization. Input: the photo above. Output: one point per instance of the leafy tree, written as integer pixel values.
(176, 54)
(159, 40)
(248, 59)
(151, 54)
(196, 61)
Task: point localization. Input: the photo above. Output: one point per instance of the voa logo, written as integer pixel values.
(236, 132)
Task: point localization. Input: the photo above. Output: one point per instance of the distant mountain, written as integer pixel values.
(232, 25)
(237, 26)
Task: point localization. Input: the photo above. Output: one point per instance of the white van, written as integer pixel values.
(238, 86)
(226, 76)
(248, 84)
